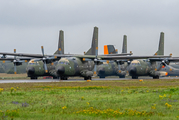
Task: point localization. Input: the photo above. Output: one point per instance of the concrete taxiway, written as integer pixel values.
(75, 79)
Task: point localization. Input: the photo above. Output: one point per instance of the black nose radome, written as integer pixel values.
(60, 70)
(101, 71)
(30, 70)
(132, 71)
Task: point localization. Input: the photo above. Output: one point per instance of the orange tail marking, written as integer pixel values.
(106, 50)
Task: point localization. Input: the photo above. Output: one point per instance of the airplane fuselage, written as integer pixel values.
(64, 68)
(109, 69)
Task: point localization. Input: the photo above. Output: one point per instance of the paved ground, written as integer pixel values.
(75, 79)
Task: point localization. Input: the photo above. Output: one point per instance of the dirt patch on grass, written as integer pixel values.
(12, 75)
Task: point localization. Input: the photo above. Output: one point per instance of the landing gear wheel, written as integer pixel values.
(55, 77)
(134, 77)
(123, 76)
(101, 76)
(87, 78)
(63, 78)
(33, 78)
(156, 77)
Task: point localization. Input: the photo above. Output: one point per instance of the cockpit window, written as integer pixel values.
(33, 63)
(135, 62)
(65, 63)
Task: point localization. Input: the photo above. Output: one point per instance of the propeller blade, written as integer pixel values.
(95, 69)
(45, 67)
(42, 50)
(14, 52)
(15, 70)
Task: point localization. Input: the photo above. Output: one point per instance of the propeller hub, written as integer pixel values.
(43, 59)
(14, 61)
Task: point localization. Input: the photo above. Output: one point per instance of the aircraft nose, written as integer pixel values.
(30, 70)
(60, 70)
(132, 71)
(101, 71)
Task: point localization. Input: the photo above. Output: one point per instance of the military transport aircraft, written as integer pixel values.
(150, 67)
(71, 64)
(38, 65)
(140, 67)
(113, 68)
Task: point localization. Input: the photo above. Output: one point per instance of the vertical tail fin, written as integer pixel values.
(124, 47)
(161, 45)
(94, 45)
(109, 49)
(60, 43)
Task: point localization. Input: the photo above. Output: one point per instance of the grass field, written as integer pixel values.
(127, 99)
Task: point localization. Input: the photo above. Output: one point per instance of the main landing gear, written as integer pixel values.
(156, 77)
(63, 78)
(87, 78)
(123, 76)
(101, 76)
(33, 78)
(134, 77)
(55, 77)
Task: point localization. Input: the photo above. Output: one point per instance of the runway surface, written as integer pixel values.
(75, 79)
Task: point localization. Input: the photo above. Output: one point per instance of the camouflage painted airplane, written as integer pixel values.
(36, 68)
(172, 69)
(150, 67)
(69, 64)
(113, 68)
(65, 67)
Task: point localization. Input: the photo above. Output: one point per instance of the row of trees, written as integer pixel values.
(8, 68)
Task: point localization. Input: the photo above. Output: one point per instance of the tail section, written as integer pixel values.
(109, 49)
(161, 45)
(124, 47)
(60, 43)
(94, 46)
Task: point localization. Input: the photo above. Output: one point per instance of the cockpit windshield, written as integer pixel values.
(63, 62)
(32, 62)
(135, 62)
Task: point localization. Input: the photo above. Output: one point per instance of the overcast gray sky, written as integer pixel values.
(28, 24)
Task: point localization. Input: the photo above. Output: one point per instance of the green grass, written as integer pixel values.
(130, 99)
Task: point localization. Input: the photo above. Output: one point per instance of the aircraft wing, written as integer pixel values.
(171, 59)
(12, 59)
(100, 57)
(122, 54)
(34, 55)
(107, 57)
(131, 57)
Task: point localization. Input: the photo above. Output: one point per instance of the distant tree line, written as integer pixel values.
(8, 67)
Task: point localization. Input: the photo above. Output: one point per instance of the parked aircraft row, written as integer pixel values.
(62, 66)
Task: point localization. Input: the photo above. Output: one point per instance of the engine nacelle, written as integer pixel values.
(121, 73)
(86, 73)
(18, 63)
(158, 73)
